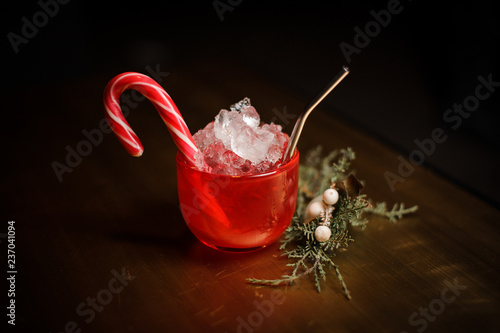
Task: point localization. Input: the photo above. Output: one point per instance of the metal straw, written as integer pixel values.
(294, 137)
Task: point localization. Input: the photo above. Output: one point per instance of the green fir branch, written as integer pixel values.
(308, 256)
(397, 212)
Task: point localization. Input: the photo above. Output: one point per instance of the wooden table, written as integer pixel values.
(106, 249)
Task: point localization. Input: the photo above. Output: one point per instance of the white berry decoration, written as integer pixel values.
(316, 209)
(322, 233)
(330, 196)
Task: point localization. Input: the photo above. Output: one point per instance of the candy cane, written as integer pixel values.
(163, 104)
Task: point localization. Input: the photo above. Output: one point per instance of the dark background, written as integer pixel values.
(424, 61)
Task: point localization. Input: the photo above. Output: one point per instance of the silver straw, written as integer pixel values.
(294, 137)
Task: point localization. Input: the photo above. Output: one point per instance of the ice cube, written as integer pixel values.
(235, 144)
(226, 125)
(252, 143)
(199, 160)
(205, 136)
(277, 148)
(272, 127)
(250, 116)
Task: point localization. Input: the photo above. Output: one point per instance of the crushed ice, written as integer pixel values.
(235, 143)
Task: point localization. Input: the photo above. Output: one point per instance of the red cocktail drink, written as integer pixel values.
(234, 193)
(238, 213)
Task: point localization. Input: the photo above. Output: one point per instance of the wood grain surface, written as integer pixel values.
(106, 249)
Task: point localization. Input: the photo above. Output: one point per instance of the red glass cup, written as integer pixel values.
(238, 213)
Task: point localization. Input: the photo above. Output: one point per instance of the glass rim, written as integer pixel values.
(181, 161)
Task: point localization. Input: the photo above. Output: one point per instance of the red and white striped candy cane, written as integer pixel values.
(162, 102)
